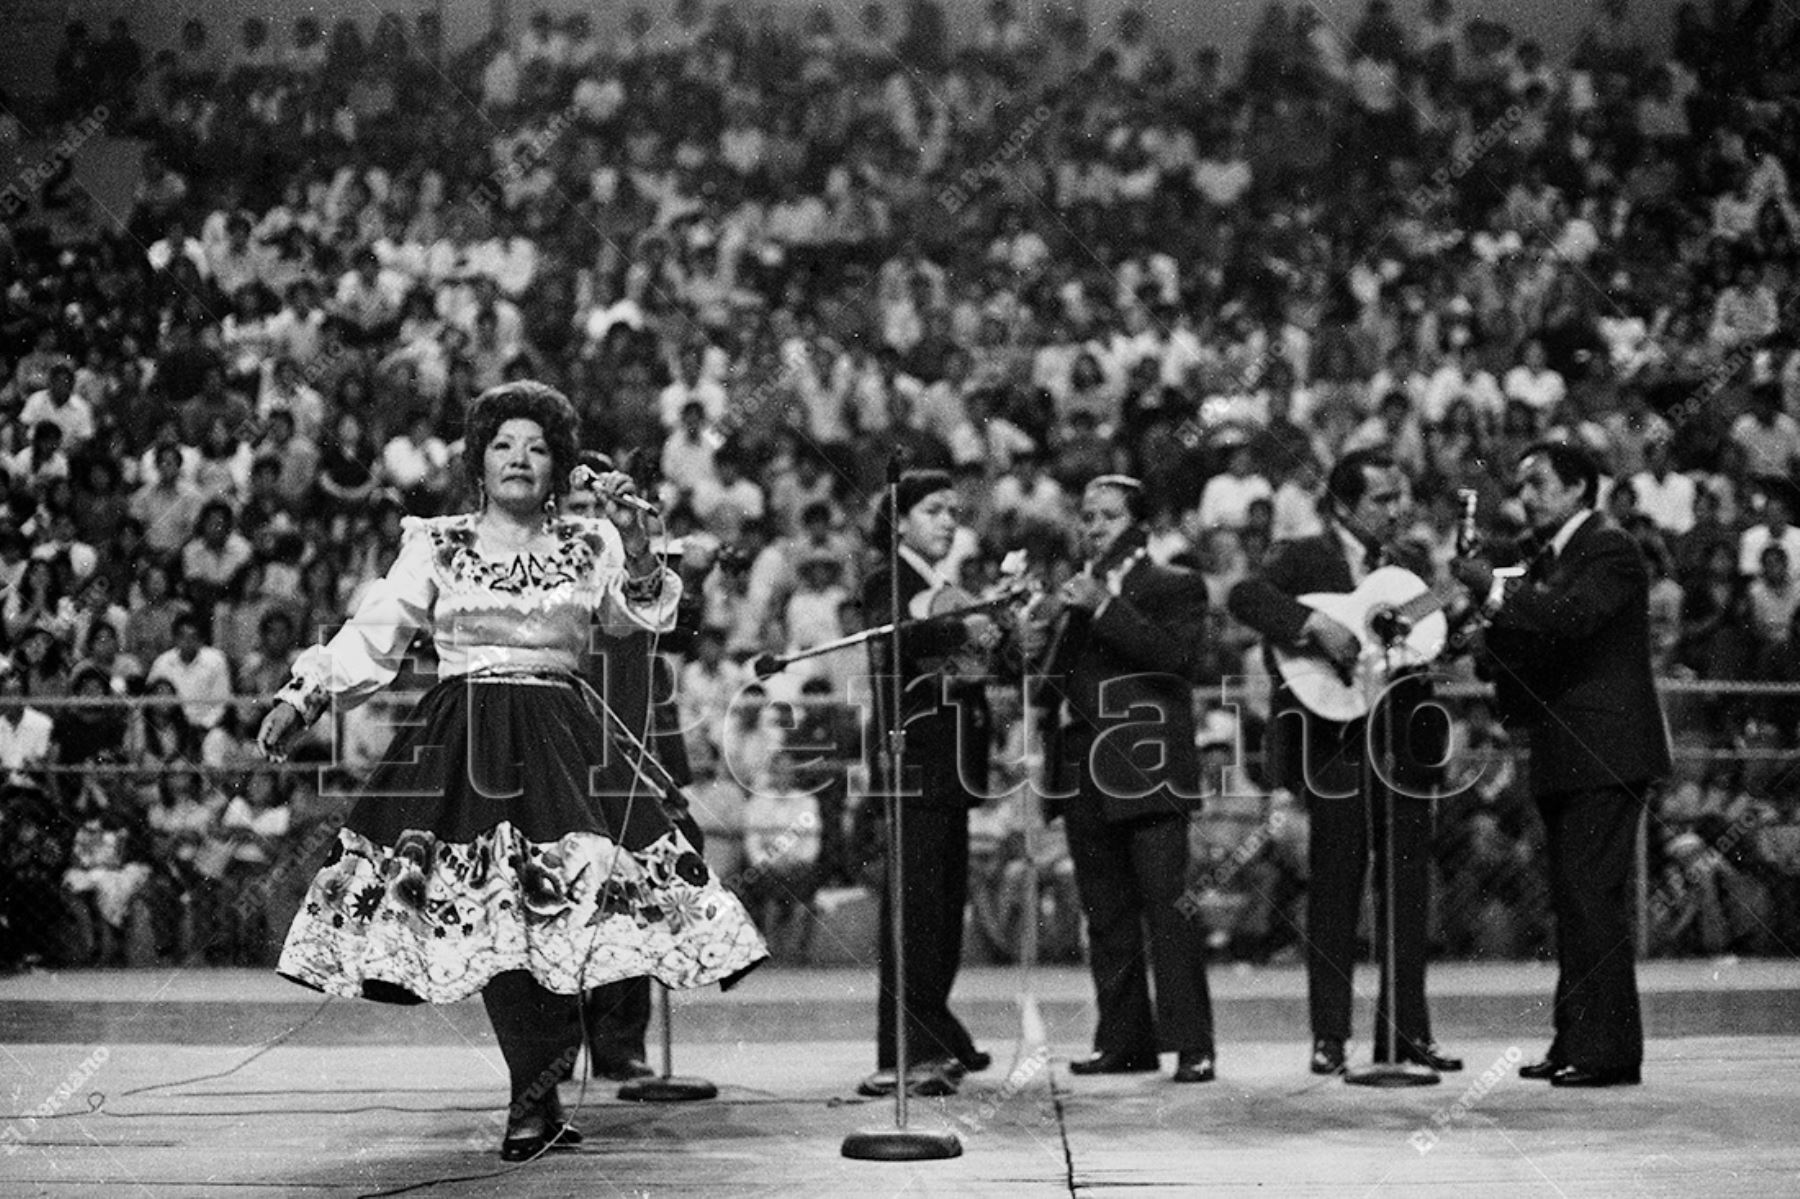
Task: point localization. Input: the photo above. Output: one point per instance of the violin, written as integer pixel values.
(983, 634)
(1047, 619)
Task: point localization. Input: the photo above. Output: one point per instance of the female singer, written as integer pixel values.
(945, 771)
(504, 846)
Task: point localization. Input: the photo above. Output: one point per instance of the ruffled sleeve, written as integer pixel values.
(368, 651)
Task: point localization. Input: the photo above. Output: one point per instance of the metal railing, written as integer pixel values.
(1720, 876)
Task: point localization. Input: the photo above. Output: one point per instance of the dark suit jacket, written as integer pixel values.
(1301, 746)
(948, 723)
(1127, 676)
(1570, 658)
(640, 689)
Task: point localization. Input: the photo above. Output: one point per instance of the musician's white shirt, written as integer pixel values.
(1355, 553)
(1564, 535)
(919, 607)
(1558, 543)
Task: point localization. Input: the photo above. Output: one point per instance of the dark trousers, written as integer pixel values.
(1132, 873)
(1339, 846)
(934, 853)
(540, 1037)
(1591, 844)
(615, 1018)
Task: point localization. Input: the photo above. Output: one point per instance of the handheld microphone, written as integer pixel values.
(588, 478)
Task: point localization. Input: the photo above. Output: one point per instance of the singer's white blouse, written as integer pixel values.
(522, 612)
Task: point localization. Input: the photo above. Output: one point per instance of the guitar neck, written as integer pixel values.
(1420, 606)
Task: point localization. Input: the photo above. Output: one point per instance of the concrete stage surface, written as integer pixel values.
(192, 1082)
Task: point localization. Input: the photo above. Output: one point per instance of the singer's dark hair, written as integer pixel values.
(524, 399)
(1571, 464)
(1349, 479)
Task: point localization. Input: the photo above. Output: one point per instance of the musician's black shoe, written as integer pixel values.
(621, 1069)
(1541, 1071)
(1116, 1063)
(1327, 1056)
(1432, 1057)
(1429, 1055)
(1193, 1066)
(959, 1068)
(1580, 1076)
(926, 1079)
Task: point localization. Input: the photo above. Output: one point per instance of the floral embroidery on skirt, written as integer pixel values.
(539, 857)
(438, 919)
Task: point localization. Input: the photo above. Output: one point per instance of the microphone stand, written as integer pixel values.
(1390, 1071)
(667, 1087)
(899, 1143)
(1033, 1036)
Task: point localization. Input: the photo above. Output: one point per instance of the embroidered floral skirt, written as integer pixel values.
(503, 832)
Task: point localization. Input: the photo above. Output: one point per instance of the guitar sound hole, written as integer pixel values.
(1387, 625)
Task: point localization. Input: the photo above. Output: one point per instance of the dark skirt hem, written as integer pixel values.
(540, 856)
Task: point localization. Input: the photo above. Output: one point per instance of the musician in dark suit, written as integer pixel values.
(1327, 763)
(1568, 649)
(633, 675)
(945, 771)
(1126, 776)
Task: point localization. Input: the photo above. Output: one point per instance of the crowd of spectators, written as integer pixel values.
(762, 259)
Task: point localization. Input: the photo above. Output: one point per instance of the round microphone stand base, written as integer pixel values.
(1392, 1074)
(668, 1090)
(667, 1087)
(901, 1145)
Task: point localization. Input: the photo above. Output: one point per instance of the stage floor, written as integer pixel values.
(202, 1083)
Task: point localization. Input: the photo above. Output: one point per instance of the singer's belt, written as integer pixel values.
(522, 676)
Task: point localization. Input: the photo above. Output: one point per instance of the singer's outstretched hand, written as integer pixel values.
(279, 728)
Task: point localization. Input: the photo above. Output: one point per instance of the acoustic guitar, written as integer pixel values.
(1401, 623)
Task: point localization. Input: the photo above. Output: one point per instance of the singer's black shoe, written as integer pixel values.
(1541, 1071)
(1327, 1056)
(1580, 1076)
(621, 1069)
(1193, 1067)
(563, 1135)
(522, 1148)
(557, 1130)
(1116, 1063)
(528, 1139)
